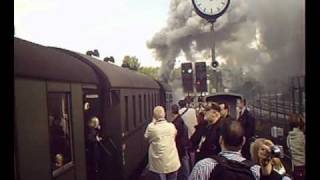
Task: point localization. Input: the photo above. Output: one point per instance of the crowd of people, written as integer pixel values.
(207, 143)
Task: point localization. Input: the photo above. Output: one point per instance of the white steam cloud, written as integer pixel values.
(264, 38)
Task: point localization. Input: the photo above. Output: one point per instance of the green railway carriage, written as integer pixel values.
(57, 87)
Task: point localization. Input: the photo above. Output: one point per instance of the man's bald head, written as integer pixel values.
(232, 135)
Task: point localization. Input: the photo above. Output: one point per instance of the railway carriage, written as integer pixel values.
(56, 92)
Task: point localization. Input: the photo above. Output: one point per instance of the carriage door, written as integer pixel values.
(91, 108)
(91, 105)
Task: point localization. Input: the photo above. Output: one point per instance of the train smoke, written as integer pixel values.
(263, 38)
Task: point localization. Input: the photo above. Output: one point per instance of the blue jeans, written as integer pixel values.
(163, 176)
(184, 170)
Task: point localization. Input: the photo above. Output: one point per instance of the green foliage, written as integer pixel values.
(154, 73)
(176, 74)
(131, 62)
(150, 71)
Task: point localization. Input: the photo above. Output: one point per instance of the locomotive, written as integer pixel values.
(57, 91)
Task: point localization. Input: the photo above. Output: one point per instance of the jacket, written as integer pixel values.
(163, 155)
(182, 140)
(211, 133)
(248, 123)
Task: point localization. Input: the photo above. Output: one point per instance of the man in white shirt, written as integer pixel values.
(189, 117)
(163, 154)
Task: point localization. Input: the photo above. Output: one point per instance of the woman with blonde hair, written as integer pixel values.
(257, 147)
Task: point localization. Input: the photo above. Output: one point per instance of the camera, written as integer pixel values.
(277, 151)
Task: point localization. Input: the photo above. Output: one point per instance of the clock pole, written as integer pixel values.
(218, 7)
(213, 53)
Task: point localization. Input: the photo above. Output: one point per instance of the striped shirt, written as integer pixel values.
(296, 144)
(203, 168)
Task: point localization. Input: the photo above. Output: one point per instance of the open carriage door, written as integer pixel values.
(91, 108)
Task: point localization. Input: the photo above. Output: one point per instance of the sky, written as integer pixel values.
(116, 28)
(259, 37)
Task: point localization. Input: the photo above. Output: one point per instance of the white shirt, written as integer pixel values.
(163, 154)
(296, 144)
(190, 119)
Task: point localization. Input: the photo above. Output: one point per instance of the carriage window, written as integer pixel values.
(140, 108)
(126, 114)
(134, 111)
(145, 107)
(61, 151)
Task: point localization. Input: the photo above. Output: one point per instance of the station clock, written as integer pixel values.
(210, 9)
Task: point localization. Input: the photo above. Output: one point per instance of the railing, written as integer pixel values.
(273, 108)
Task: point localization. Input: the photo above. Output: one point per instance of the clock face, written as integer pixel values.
(210, 7)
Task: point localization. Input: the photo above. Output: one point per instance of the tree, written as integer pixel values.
(131, 62)
(176, 74)
(150, 71)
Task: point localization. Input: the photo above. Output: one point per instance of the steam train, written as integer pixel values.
(57, 91)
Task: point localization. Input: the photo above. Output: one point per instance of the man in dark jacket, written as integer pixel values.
(205, 140)
(225, 111)
(182, 143)
(248, 124)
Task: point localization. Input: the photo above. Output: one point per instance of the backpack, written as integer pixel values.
(231, 170)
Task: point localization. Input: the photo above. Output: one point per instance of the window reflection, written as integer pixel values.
(60, 130)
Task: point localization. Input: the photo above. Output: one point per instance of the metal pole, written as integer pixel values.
(213, 54)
